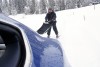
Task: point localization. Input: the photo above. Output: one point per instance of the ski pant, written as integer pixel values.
(54, 28)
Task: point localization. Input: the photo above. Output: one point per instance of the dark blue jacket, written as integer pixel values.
(50, 17)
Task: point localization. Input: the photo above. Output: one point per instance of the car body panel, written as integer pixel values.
(41, 52)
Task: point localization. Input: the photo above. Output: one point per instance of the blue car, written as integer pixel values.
(22, 47)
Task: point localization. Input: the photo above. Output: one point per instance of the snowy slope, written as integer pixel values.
(79, 31)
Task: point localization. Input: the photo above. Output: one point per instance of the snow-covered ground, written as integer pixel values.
(79, 31)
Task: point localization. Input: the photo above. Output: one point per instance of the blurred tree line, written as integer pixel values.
(12, 7)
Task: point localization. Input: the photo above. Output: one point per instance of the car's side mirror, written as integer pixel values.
(12, 48)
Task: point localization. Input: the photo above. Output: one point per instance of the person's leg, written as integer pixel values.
(55, 29)
(48, 32)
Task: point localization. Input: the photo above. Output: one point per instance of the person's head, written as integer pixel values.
(50, 10)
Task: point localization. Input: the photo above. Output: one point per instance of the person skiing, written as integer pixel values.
(51, 19)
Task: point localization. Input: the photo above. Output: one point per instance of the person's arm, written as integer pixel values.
(46, 18)
(54, 17)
